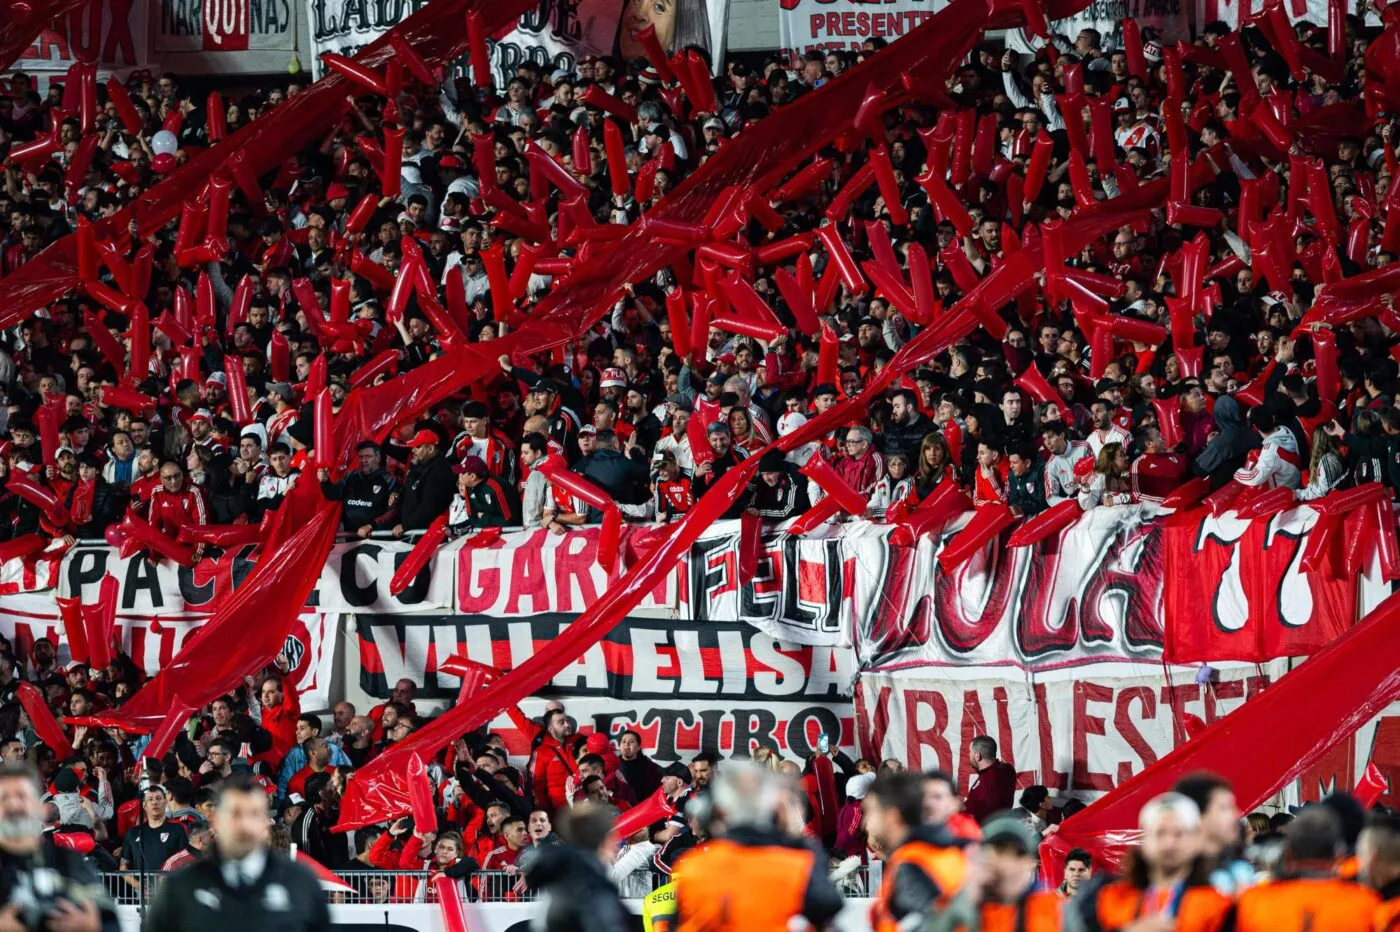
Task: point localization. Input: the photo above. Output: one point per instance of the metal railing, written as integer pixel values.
(129, 888)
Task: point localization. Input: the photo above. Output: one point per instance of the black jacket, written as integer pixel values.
(1028, 492)
(366, 499)
(787, 499)
(906, 438)
(625, 480)
(287, 897)
(575, 892)
(699, 484)
(72, 875)
(427, 491)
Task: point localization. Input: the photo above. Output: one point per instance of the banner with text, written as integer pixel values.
(1087, 732)
(226, 26)
(685, 686)
(356, 578)
(152, 642)
(817, 25)
(555, 36)
(1168, 18)
(1230, 12)
(112, 33)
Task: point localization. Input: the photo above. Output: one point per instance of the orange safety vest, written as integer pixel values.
(1387, 916)
(947, 866)
(1039, 912)
(1200, 909)
(722, 885)
(1317, 903)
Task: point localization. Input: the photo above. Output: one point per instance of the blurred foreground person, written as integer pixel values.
(925, 866)
(575, 892)
(1308, 894)
(242, 884)
(1167, 882)
(43, 886)
(750, 876)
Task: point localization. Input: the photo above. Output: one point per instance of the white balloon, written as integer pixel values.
(164, 141)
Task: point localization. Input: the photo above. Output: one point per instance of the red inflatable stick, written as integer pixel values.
(418, 557)
(823, 474)
(595, 96)
(889, 185)
(575, 484)
(121, 102)
(70, 611)
(237, 385)
(1034, 384)
(811, 177)
(1223, 498)
(1267, 504)
(325, 458)
(1168, 412)
(1037, 166)
(127, 398)
(42, 497)
(1051, 521)
(841, 258)
(143, 533)
(221, 535)
(362, 75)
(818, 514)
(100, 622)
(616, 158)
(654, 808)
(107, 344)
(1386, 540)
(391, 176)
(163, 738)
(986, 524)
(420, 796)
(945, 203)
(840, 207)
(449, 899)
(476, 50)
(609, 537)
(946, 502)
(45, 725)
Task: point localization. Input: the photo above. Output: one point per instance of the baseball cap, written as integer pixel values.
(473, 465)
(449, 161)
(714, 123)
(613, 378)
(202, 415)
(337, 190)
(296, 799)
(548, 386)
(790, 421)
(216, 378)
(1121, 104)
(588, 429)
(422, 439)
(282, 390)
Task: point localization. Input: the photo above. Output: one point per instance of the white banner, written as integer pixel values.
(818, 25)
(356, 578)
(226, 25)
(1084, 732)
(113, 33)
(1169, 18)
(152, 642)
(555, 36)
(1230, 11)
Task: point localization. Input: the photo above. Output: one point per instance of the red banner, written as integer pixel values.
(1239, 592)
(1287, 730)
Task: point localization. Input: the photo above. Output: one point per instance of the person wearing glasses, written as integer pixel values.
(176, 505)
(861, 466)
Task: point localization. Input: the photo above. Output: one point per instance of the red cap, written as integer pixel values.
(422, 439)
(337, 190)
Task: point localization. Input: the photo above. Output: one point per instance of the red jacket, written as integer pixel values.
(281, 722)
(993, 791)
(171, 511)
(554, 765)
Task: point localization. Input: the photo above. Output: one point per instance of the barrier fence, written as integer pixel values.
(401, 888)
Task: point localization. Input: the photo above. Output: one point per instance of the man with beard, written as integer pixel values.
(241, 883)
(43, 886)
(312, 832)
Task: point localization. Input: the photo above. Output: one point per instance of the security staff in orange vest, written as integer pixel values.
(1378, 853)
(925, 866)
(1167, 885)
(750, 877)
(1308, 894)
(1007, 860)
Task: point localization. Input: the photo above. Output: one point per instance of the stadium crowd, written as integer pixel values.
(1030, 418)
